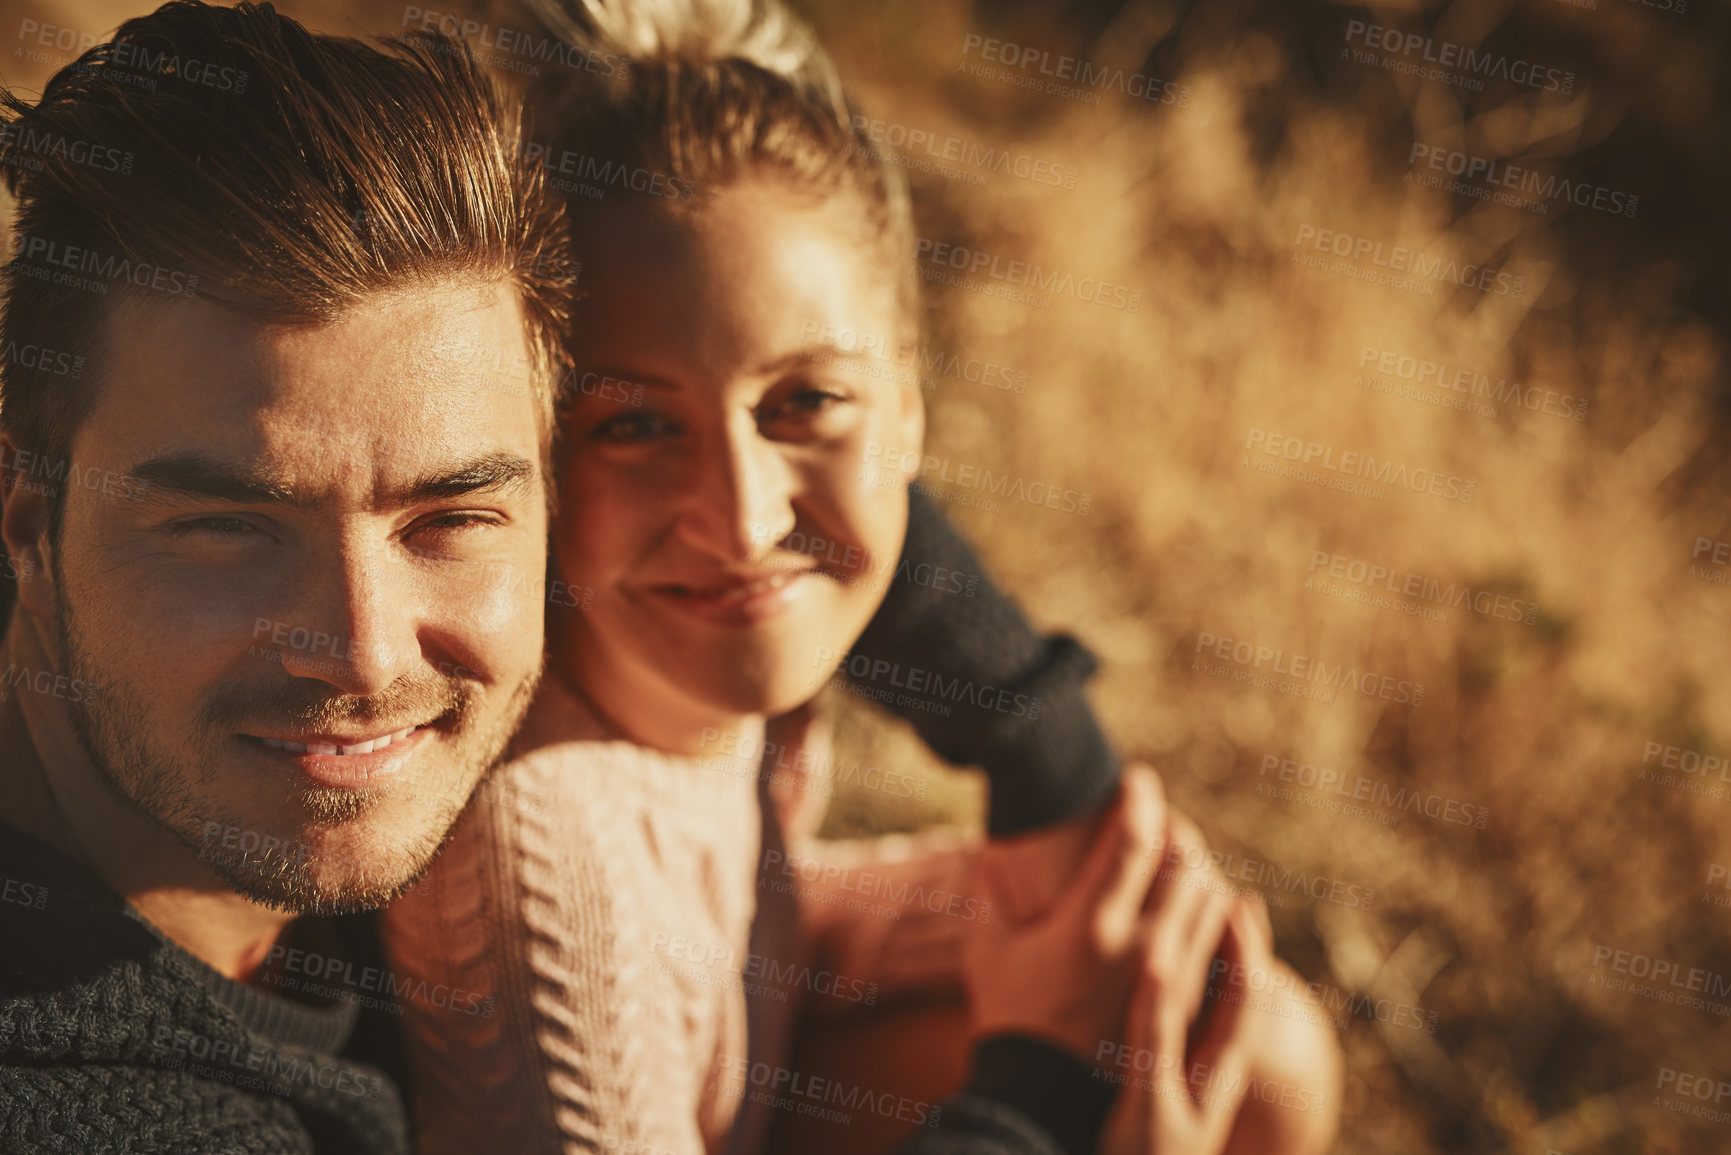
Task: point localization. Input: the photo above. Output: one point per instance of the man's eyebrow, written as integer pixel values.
(195, 475)
(489, 473)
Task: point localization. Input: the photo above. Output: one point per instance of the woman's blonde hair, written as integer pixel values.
(701, 93)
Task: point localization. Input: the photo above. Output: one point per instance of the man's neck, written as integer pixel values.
(52, 790)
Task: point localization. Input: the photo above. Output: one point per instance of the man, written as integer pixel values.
(272, 536)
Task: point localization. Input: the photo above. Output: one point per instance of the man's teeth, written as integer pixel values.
(333, 748)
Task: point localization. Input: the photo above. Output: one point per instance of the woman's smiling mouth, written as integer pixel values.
(741, 599)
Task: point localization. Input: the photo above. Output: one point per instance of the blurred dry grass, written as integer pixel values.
(1544, 725)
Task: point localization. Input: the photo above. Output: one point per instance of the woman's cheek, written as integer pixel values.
(599, 511)
(871, 503)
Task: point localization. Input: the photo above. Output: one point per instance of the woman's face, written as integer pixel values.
(722, 493)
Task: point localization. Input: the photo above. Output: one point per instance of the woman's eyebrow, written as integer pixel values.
(819, 353)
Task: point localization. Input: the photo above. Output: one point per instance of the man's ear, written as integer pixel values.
(24, 529)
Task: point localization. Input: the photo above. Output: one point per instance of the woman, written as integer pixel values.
(727, 517)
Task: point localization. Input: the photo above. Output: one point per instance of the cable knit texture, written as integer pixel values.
(636, 921)
(114, 1039)
(560, 898)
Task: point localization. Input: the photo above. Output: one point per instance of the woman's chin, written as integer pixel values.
(766, 695)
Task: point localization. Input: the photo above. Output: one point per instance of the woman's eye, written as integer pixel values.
(813, 400)
(806, 401)
(632, 427)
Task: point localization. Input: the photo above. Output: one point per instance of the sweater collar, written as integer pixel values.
(278, 1020)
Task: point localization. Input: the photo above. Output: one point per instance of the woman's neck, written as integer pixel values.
(659, 717)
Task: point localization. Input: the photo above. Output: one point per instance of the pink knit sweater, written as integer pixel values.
(641, 931)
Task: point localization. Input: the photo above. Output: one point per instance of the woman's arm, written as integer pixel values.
(1039, 743)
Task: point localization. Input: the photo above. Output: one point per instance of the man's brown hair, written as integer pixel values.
(229, 152)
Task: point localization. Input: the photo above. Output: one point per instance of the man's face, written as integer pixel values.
(301, 566)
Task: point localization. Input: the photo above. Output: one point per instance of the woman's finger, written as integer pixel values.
(1200, 947)
(1177, 898)
(1183, 851)
(1223, 1043)
(1117, 886)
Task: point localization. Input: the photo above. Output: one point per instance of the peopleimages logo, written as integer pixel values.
(1444, 377)
(43, 359)
(1022, 274)
(1661, 979)
(330, 969)
(1339, 788)
(46, 259)
(925, 689)
(1518, 186)
(1447, 61)
(886, 465)
(1225, 1085)
(46, 683)
(766, 975)
(31, 148)
(1304, 668)
(31, 894)
(923, 362)
(508, 48)
(942, 146)
(898, 894)
(817, 1097)
(1399, 259)
(1403, 584)
(1071, 76)
(1356, 464)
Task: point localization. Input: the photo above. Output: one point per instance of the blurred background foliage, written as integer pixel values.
(1197, 204)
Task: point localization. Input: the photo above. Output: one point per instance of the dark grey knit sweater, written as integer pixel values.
(1006, 699)
(113, 1039)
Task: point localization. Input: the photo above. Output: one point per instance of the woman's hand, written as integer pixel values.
(1185, 1080)
(1066, 974)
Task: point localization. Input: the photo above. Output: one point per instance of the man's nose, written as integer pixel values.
(354, 628)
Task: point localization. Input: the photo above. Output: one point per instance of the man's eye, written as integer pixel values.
(458, 521)
(628, 427)
(213, 526)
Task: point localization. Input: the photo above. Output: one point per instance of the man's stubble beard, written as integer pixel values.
(111, 724)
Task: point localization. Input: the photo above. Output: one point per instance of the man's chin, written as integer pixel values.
(323, 892)
(344, 867)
